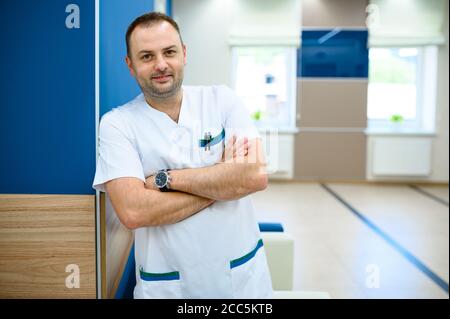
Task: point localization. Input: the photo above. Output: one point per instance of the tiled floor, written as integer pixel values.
(397, 232)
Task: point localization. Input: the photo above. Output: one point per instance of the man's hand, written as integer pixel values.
(235, 149)
(241, 173)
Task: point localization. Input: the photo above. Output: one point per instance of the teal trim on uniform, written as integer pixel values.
(213, 141)
(247, 257)
(174, 275)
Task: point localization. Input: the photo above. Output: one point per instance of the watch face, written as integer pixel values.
(161, 179)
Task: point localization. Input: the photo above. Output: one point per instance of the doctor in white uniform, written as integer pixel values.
(177, 163)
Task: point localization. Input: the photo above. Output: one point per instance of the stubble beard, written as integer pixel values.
(155, 93)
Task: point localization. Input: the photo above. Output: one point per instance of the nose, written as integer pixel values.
(161, 64)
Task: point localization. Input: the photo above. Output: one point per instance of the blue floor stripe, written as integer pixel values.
(405, 253)
(420, 190)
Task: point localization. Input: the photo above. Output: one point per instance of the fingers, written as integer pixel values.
(235, 148)
(230, 143)
(232, 140)
(228, 153)
(241, 148)
(240, 143)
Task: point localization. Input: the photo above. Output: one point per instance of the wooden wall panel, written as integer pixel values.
(330, 156)
(332, 103)
(39, 236)
(116, 245)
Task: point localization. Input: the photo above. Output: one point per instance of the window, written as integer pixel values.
(402, 87)
(265, 79)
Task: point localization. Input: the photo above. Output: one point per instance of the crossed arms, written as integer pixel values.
(241, 172)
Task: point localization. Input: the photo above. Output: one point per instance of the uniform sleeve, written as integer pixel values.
(118, 156)
(237, 118)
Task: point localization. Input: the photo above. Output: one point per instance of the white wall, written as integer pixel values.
(204, 28)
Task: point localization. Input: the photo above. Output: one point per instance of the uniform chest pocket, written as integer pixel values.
(211, 146)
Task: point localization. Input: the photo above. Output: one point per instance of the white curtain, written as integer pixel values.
(265, 22)
(406, 22)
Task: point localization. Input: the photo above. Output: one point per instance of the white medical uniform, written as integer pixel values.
(216, 253)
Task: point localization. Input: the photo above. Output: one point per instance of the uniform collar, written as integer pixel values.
(154, 112)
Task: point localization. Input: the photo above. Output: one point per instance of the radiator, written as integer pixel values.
(401, 156)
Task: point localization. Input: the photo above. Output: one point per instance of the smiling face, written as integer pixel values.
(157, 59)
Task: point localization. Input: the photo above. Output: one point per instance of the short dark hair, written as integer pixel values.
(147, 20)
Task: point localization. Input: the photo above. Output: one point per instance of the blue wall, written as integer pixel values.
(47, 110)
(117, 86)
(333, 53)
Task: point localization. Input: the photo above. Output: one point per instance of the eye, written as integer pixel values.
(170, 52)
(146, 56)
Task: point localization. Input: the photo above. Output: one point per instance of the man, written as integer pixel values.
(171, 177)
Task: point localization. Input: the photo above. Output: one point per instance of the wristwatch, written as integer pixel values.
(162, 180)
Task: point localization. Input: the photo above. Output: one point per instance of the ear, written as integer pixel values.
(184, 54)
(130, 66)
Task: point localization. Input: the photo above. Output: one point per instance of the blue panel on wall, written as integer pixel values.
(333, 53)
(47, 108)
(169, 7)
(117, 86)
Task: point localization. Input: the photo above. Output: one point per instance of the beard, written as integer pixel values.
(155, 92)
